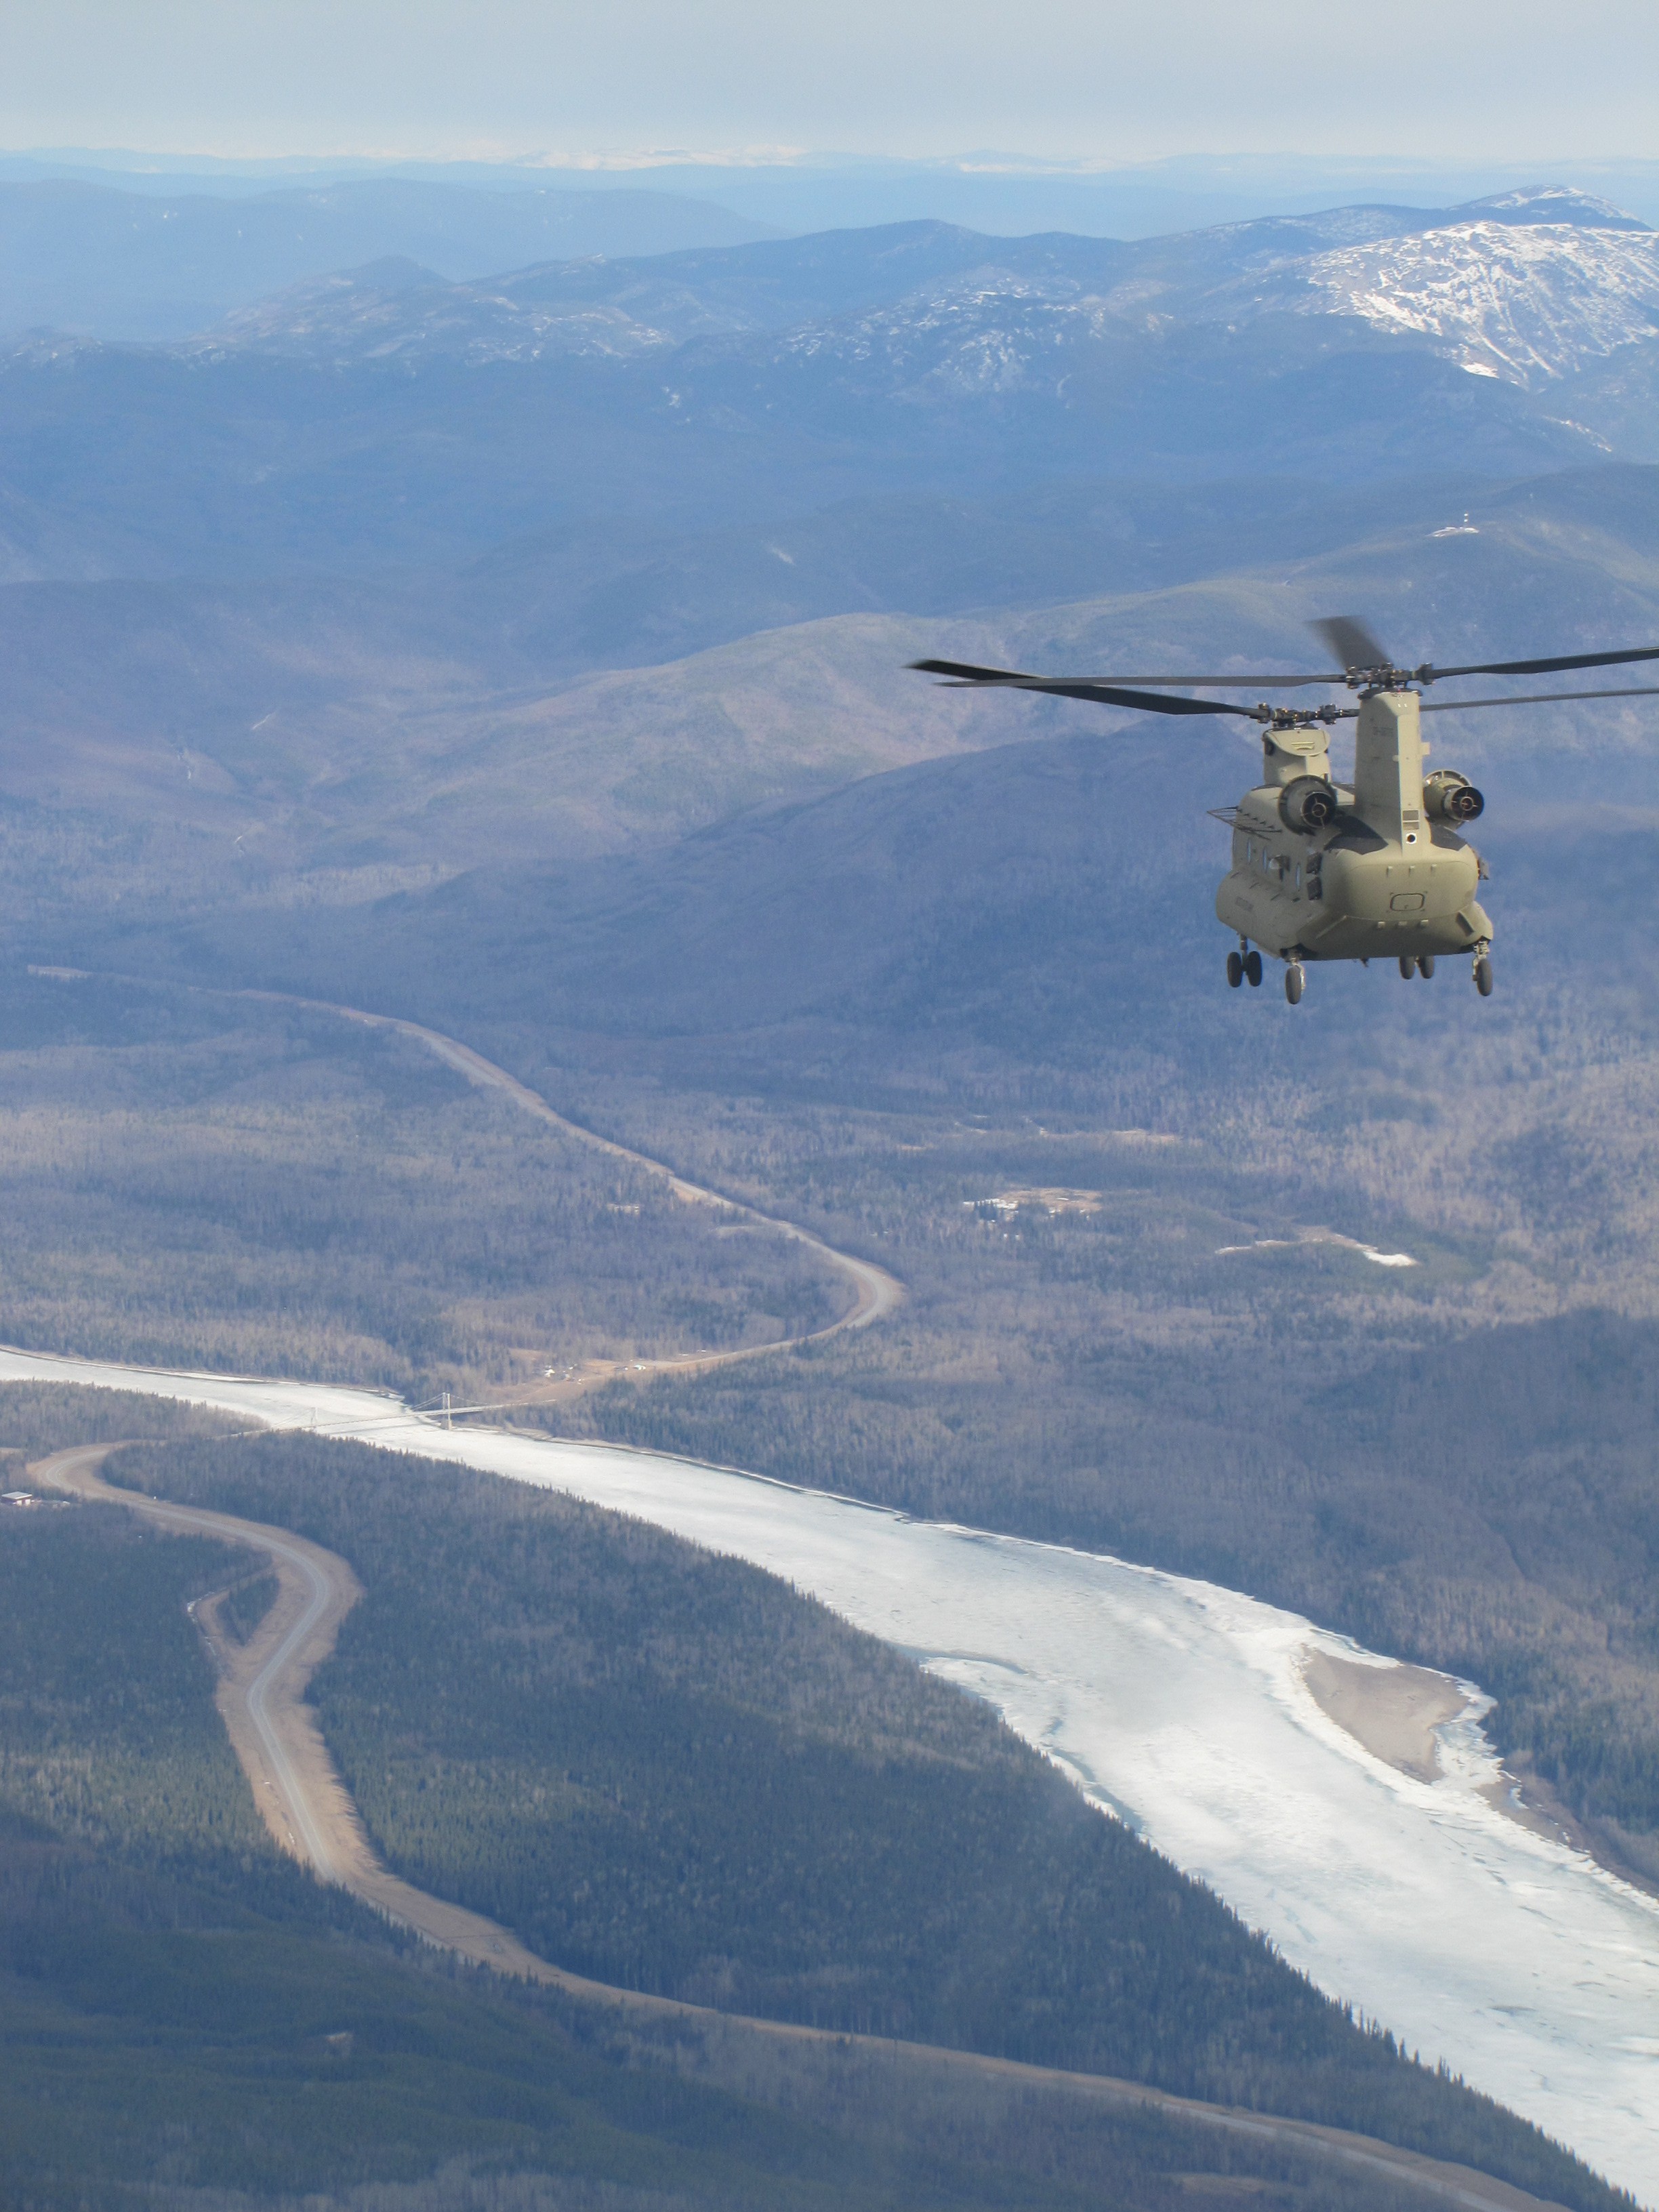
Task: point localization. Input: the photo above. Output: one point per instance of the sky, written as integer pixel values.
(1092, 81)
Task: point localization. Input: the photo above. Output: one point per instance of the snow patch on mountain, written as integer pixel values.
(1528, 301)
(994, 334)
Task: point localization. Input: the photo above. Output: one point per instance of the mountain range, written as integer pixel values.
(387, 417)
(1527, 285)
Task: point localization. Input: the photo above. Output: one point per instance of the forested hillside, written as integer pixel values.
(666, 1771)
(182, 2011)
(185, 2018)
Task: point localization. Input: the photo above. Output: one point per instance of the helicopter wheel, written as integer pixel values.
(1293, 982)
(1483, 976)
(1408, 963)
(1425, 964)
(1235, 969)
(1253, 968)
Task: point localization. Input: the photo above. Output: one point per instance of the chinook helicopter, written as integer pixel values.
(1329, 870)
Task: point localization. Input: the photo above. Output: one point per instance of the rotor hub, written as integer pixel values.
(1368, 681)
(1296, 717)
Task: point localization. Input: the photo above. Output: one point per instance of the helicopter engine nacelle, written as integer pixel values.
(1450, 796)
(1309, 803)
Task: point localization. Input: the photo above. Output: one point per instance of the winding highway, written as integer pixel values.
(293, 1651)
(875, 1293)
(263, 1682)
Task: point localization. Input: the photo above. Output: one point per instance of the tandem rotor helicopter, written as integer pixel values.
(1329, 870)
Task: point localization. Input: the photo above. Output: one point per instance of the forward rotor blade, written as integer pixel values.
(965, 673)
(1351, 641)
(1431, 674)
(1079, 687)
(1148, 702)
(1537, 698)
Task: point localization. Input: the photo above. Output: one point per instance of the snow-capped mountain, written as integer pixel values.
(1524, 302)
(1499, 292)
(1527, 288)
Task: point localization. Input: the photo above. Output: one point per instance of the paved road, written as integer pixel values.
(875, 1292)
(261, 1696)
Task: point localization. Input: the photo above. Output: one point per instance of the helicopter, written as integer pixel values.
(1327, 871)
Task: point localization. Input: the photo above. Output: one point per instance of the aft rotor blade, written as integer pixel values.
(1431, 674)
(1539, 698)
(1351, 642)
(1120, 688)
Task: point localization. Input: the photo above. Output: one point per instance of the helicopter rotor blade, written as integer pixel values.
(964, 671)
(1431, 674)
(1539, 698)
(1123, 687)
(1351, 642)
(1078, 687)
(1146, 702)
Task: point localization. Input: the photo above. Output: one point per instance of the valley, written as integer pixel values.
(514, 652)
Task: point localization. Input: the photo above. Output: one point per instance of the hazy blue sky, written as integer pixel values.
(1514, 79)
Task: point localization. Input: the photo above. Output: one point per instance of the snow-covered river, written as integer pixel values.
(1181, 1706)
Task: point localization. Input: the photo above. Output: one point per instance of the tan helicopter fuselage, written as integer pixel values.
(1388, 875)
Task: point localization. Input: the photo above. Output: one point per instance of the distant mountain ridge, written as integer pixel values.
(1526, 287)
(137, 265)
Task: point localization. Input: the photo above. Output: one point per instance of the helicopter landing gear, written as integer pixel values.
(1235, 969)
(1483, 974)
(1408, 963)
(1253, 968)
(1293, 982)
(1426, 964)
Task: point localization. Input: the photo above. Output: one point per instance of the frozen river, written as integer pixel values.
(1181, 1706)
